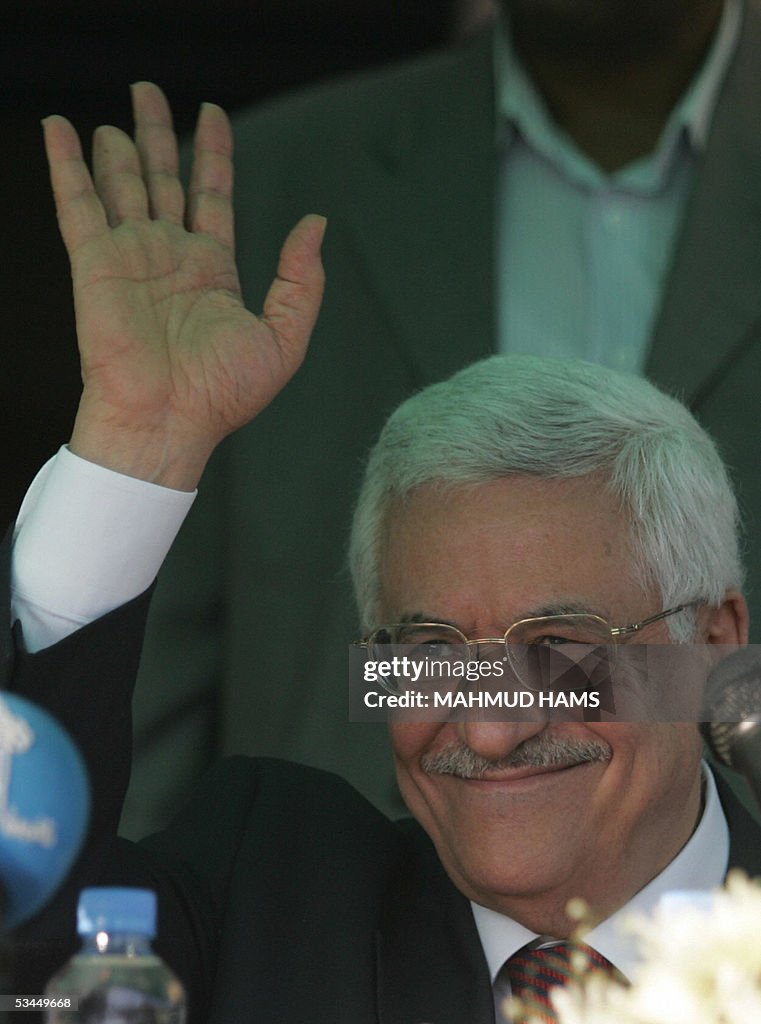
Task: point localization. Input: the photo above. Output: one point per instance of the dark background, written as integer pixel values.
(77, 59)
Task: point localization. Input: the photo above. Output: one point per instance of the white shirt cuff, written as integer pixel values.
(86, 540)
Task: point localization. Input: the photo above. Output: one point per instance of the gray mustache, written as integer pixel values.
(535, 752)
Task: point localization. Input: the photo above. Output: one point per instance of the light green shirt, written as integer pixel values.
(582, 255)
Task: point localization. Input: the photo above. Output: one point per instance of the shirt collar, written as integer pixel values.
(521, 107)
(699, 866)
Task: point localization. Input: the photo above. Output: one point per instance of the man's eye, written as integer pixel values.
(433, 649)
(553, 640)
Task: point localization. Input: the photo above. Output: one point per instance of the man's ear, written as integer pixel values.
(727, 624)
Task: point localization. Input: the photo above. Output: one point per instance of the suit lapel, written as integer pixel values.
(425, 227)
(429, 960)
(712, 301)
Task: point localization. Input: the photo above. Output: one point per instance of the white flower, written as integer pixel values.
(700, 965)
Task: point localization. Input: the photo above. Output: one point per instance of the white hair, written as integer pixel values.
(558, 419)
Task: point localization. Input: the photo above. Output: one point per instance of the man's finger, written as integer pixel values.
(118, 176)
(80, 212)
(157, 147)
(293, 301)
(211, 183)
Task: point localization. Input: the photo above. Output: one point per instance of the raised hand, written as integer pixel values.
(172, 361)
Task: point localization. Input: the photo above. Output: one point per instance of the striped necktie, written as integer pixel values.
(532, 972)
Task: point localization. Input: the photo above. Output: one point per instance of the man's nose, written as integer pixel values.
(495, 740)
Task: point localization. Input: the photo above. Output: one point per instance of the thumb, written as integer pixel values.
(293, 300)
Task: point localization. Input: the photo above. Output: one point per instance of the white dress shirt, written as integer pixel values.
(87, 540)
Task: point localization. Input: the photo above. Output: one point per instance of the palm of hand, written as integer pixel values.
(172, 361)
(163, 330)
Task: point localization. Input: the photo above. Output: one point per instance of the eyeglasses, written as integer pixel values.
(586, 643)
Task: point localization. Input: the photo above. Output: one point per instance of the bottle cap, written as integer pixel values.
(132, 911)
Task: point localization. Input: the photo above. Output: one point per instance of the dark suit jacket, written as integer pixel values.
(284, 896)
(402, 161)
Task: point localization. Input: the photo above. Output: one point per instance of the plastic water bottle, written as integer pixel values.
(116, 978)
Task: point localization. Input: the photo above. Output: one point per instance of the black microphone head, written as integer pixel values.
(732, 696)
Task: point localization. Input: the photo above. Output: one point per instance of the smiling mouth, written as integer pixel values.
(509, 775)
(535, 756)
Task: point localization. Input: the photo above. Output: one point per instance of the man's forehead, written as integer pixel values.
(516, 547)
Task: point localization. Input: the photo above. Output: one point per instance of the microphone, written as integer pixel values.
(732, 726)
(44, 807)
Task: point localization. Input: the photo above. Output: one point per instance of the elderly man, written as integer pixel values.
(516, 490)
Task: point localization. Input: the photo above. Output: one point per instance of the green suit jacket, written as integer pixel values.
(255, 597)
